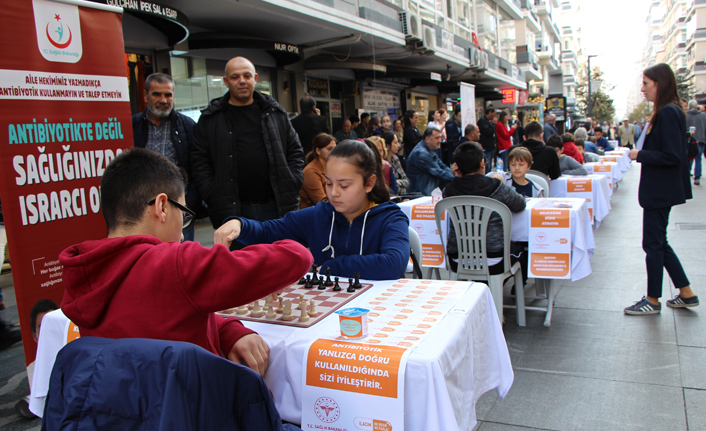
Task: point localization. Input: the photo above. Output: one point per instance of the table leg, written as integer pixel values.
(550, 301)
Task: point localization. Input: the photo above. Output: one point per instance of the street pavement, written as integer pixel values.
(594, 368)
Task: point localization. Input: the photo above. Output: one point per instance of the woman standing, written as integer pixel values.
(504, 135)
(411, 134)
(398, 130)
(314, 186)
(393, 146)
(664, 182)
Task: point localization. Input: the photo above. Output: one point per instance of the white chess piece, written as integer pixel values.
(280, 308)
(303, 317)
(287, 316)
(243, 309)
(312, 310)
(256, 310)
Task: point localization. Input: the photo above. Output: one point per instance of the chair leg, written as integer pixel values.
(520, 298)
(495, 283)
(438, 273)
(550, 302)
(430, 271)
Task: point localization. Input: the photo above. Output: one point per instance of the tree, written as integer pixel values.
(685, 87)
(602, 107)
(641, 112)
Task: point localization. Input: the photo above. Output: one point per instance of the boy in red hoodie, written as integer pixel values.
(142, 282)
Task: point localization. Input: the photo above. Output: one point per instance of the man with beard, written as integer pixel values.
(161, 129)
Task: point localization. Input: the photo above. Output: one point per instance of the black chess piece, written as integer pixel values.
(329, 283)
(314, 273)
(309, 284)
(356, 283)
(302, 281)
(322, 285)
(336, 286)
(350, 289)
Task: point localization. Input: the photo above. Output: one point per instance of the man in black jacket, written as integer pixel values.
(544, 159)
(161, 129)
(309, 123)
(246, 157)
(486, 125)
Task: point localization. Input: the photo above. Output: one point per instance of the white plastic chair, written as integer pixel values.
(540, 179)
(416, 246)
(469, 216)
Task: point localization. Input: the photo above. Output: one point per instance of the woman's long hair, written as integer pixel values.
(667, 92)
(322, 140)
(365, 157)
(407, 118)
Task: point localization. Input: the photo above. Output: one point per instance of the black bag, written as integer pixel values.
(693, 149)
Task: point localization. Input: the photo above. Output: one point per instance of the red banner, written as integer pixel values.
(64, 114)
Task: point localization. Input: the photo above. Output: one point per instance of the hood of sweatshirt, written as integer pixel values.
(534, 146)
(475, 185)
(95, 269)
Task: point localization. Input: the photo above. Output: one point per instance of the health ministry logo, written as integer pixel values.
(58, 29)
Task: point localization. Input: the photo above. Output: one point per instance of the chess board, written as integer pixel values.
(326, 302)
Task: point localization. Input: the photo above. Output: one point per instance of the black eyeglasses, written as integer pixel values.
(188, 215)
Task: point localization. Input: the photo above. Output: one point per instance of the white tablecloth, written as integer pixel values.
(620, 159)
(601, 194)
(464, 357)
(581, 234)
(615, 173)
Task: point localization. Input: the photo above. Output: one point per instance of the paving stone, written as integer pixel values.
(485, 403)
(695, 409)
(692, 360)
(551, 401)
(604, 359)
(491, 426)
(691, 331)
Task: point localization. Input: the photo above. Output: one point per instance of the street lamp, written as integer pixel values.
(589, 84)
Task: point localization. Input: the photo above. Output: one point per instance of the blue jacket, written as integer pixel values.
(425, 170)
(549, 130)
(590, 147)
(604, 144)
(664, 176)
(335, 242)
(140, 384)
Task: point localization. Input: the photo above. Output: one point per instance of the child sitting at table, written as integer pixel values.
(142, 282)
(470, 180)
(587, 157)
(519, 161)
(568, 165)
(357, 230)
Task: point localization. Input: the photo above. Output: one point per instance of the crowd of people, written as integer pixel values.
(277, 186)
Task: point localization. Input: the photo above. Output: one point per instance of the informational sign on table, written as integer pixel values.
(65, 114)
(359, 383)
(422, 219)
(550, 240)
(581, 188)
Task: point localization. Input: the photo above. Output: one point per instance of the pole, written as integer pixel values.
(589, 87)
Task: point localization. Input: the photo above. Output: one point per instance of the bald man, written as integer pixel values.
(345, 132)
(246, 157)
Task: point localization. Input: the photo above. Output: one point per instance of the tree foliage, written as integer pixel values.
(602, 106)
(685, 87)
(641, 113)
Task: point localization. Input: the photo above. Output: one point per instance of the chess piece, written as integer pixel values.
(251, 305)
(256, 310)
(287, 315)
(242, 310)
(322, 284)
(302, 281)
(312, 310)
(271, 313)
(268, 303)
(309, 284)
(356, 283)
(329, 283)
(302, 302)
(350, 289)
(303, 317)
(280, 308)
(314, 273)
(336, 286)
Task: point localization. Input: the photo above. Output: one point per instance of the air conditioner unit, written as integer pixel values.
(478, 58)
(429, 42)
(411, 26)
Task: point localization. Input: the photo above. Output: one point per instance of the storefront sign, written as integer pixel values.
(65, 114)
(380, 100)
(336, 110)
(509, 96)
(317, 87)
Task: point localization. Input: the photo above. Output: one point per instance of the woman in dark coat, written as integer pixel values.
(664, 182)
(411, 134)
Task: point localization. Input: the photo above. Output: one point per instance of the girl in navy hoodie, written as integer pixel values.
(357, 230)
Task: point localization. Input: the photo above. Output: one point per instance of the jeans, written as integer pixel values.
(488, 157)
(659, 255)
(189, 232)
(259, 212)
(697, 171)
(503, 155)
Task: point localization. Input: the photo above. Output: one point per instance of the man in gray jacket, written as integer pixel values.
(697, 120)
(568, 165)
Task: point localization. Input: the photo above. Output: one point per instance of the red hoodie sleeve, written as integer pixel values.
(213, 279)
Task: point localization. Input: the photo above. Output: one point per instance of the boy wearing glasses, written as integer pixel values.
(142, 282)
